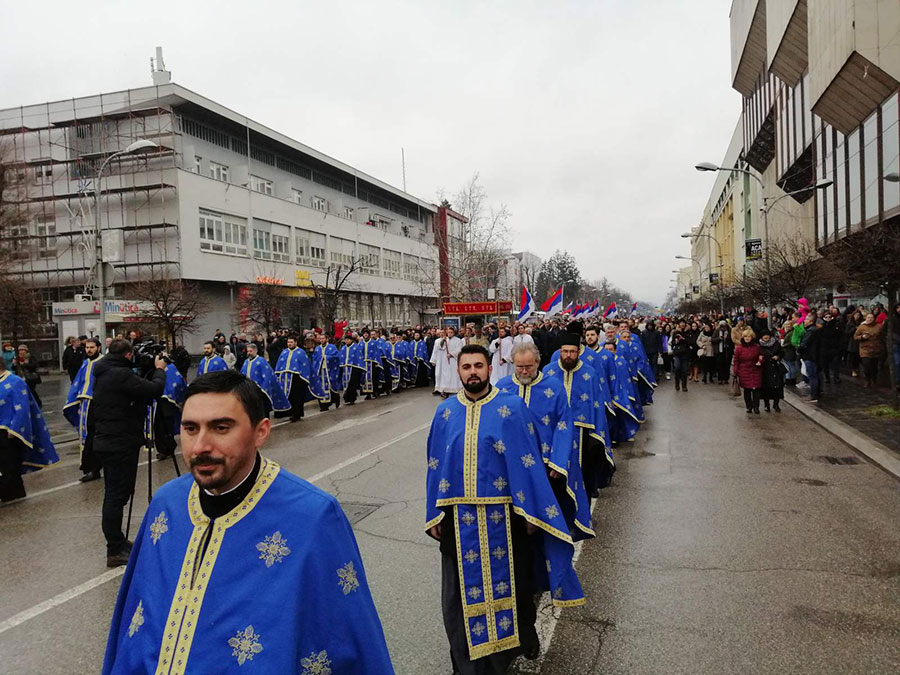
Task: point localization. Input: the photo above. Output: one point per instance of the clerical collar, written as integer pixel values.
(216, 506)
(486, 393)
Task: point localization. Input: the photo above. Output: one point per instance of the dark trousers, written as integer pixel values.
(335, 400)
(751, 398)
(11, 485)
(833, 367)
(353, 386)
(870, 368)
(387, 382)
(33, 387)
(119, 474)
(708, 367)
(723, 366)
(682, 367)
(297, 398)
(654, 366)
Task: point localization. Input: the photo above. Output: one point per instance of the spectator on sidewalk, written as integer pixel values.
(773, 371)
(895, 344)
(790, 359)
(9, 355)
(706, 354)
(229, 358)
(651, 339)
(831, 347)
(724, 350)
(810, 352)
(26, 367)
(870, 336)
(748, 362)
(73, 356)
(853, 321)
(681, 360)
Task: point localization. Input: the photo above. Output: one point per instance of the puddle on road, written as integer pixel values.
(810, 481)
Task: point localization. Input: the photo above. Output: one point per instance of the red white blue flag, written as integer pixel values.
(526, 305)
(554, 303)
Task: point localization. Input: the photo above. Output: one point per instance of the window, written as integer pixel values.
(383, 223)
(281, 242)
(218, 171)
(262, 244)
(297, 195)
(320, 203)
(870, 136)
(310, 248)
(890, 139)
(222, 233)
(392, 264)
(370, 259)
(45, 229)
(854, 157)
(348, 213)
(262, 185)
(198, 164)
(43, 174)
(343, 251)
(410, 267)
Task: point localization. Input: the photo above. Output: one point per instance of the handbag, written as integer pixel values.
(659, 360)
(735, 386)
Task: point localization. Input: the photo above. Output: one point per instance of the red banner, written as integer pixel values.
(454, 308)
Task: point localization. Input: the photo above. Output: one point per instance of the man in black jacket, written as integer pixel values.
(652, 341)
(118, 410)
(73, 357)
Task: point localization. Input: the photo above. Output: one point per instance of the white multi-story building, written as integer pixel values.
(223, 201)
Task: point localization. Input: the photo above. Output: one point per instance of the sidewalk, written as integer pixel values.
(849, 404)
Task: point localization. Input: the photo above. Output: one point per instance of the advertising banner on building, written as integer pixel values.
(714, 277)
(493, 307)
(753, 249)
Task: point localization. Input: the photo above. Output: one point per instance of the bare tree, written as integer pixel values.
(334, 286)
(264, 305)
(174, 306)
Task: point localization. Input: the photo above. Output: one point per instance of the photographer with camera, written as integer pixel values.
(118, 409)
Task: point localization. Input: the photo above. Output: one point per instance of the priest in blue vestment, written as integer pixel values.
(490, 505)
(582, 388)
(419, 363)
(626, 423)
(372, 378)
(646, 381)
(352, 367)
(258, 369)
(25, 443)
(163, 420)
(293, 372)
(242, 567)
(325, 382)
(545, 398)
(211, 362)
(77, 410)
(588, 353)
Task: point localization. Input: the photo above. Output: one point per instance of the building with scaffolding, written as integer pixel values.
(222, 201)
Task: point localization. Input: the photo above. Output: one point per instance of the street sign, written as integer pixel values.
(753, 249)
(696, 288)
(714, 277)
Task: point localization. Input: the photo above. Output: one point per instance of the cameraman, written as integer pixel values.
(118, 410)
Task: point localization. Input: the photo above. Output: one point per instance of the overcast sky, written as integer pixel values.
(585, 118)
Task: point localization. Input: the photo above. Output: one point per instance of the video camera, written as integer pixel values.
(145, 354)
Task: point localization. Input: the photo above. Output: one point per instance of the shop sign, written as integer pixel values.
(477, 307)
(270, 281)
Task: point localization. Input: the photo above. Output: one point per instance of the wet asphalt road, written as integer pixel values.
(726, 546)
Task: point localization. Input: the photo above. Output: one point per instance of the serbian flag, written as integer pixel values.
(569, 308)
(553, 305)
(595, 307)
(610, 310)
(633, 309)
(526, 305)
(576, 311)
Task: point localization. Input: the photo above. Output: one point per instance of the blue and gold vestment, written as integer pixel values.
(173, 393)
(211, 364)
(484, 463)
(259, 370)
(351, 356)
(552, 417)
(628, 351)
(292, 362)
(640, 367)
(78, 400)
(372, 360)
(325, 377)
(589, 357)
(22, 420)
(275, 586)
(583, 395)
(624, 397)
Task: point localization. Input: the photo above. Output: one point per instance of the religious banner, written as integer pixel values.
(491, 307)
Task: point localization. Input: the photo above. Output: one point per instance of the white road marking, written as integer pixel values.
(81, 589)
(356, 421)
(56, 600)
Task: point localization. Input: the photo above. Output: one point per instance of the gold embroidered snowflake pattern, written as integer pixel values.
(596, 404)
(562, 425)
(137, 619)
(545, 448)
(590, 358)
(347, 579)
(528, 460)
(545, 420)
(548, 392)
(551, 372)
(499, 553)
(468, 518)
(316, 664)
(549, 568)
(504, 412)
(470, 556)
(500, 483)
(520, 495)
(446, 414)
(505, 623)
(244, 645)
(474, 592)
(502, 588)
(273, 549)
(586, 377)
(478, 629)
(558, 593)
(159, 527)
(444, 485)
(433, 463)
(584, 397)
(531, 428)
(500, 447)
(496, 517)
(581, 418)
(551, 511)
(612, 377)
(574, 445)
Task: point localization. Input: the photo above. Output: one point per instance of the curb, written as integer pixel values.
(874, 451)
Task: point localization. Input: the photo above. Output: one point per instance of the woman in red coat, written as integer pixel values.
(748, 367)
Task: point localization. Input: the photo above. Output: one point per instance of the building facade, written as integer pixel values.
(222, 201)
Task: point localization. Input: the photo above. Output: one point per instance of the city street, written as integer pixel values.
(727, 544)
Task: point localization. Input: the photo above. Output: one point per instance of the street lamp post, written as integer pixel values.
(821, 185)
(688, 235)
(137, 146)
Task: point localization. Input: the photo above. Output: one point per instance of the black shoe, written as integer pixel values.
(89, 476)
(684, 388)
(120, 558)
(767, 408)
(749, 411)
(756, 411)
(776, 407)
(677, 387)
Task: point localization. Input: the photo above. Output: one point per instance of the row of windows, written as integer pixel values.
(221, 233)
(24, 241)
(857, 163)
